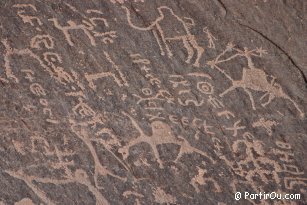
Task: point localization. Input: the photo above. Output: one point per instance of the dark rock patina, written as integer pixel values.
(152, 101)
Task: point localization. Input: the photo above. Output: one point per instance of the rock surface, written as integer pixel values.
(152, 102)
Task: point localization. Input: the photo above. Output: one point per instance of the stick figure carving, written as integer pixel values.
(161, 134)
(253, 78)
(183, 34)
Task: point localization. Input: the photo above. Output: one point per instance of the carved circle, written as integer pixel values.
(205, 87)
(147, 91)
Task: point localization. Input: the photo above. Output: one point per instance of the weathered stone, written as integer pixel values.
(152, 102)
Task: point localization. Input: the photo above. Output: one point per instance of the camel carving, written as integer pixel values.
(253, 79)
(183, 34)
(161, 134)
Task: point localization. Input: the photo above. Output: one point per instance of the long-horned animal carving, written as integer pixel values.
(182, 34)
(161, 134)
(253, 78)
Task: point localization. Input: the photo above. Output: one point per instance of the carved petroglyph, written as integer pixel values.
(186, 87)
(37, 89)
(22, 13)
(144, 63)
(266, 124)
(99, 169)
(216, 103)
(205, 87)
(123, 1)
(79, 176)
(91, 77)
(29, 74)
(188, 122)
(141, 162)
(210, 38)
(137, 58)
(29, 182)
(7, 54)
(116, 68)
(87, 26)
(178, 81)
(73, 26)
(207, 127)
(188, 102)
(200, 179)
(161, 134)
(226, 113)
(236, 127)
(284, 152)
(117, 76)
(25, 201)
(163, 39)
(49, 62)
(253, 78)
(136, 195)
(42, 40)
(163, 198)
(252, 166)
(162, 95)
(38, 144)
(83, 109)
(156, 116)
(286, 155)
(54, 60)
(291, 182)
(29, 108)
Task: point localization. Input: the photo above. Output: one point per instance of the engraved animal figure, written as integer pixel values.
(99, 169)
(73, 26)
(161, 134)
(254, 79)
(163, 37)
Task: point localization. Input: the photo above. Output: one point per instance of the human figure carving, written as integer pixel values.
(161, 134)
(163, 39)
(253, 78)
(210, 38)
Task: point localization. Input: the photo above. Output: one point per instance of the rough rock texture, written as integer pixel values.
(152, 101)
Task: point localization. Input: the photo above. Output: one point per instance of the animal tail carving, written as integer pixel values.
(302, 114)
(128, 13)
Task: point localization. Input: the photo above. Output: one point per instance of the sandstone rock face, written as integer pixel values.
(153, 102)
